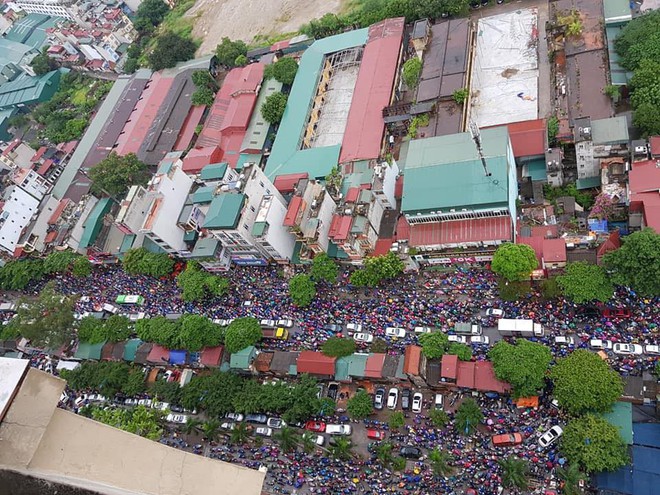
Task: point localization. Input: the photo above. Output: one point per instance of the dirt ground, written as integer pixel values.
(244, 19)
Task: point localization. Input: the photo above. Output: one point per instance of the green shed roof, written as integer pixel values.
(621, 417)
(618, 74)
(203, 195)
(286, 157)
(259, 228)
(341, 369)
(536, 169)
(224, 212)
(94, 222)
(205, 247)
(242, 359)
(31, 29)
(588, 183)
(89, 351)
(616, 12)
(357, 364)
(244, 158)
(446, 172)
(127, 242)
(257, 131)
(27, 90)
(130, 349)
(610, 131)
(213, 171)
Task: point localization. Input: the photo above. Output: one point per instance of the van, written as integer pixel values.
(110, 308)
(338, 429)
(256, 418)
(507, 440)
(467, 329)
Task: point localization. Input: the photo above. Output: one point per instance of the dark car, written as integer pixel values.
(405, 399)
(410, 452)
(333, 390)
(175, 408)
(333, 327)
(379, 398)
(256, 418)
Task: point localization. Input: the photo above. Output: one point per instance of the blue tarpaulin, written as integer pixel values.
(596, 225)
(178, 357)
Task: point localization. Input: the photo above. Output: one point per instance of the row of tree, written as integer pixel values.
(302, 287)
(18, 274)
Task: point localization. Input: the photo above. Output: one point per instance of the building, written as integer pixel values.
(644, 195)
(454, 199)
(57, 8)
(16, 214)
(40, 441)
(596, 141)
(617, 15)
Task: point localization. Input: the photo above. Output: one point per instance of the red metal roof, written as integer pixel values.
(58, 211)
(612, 243)
(198, 158)
(158, 355)
(340, 226)
(352, 194)
(280, 45)
(461, 231)
(545, 231)
(382, 247)
(11, 146)
(644, 183)
(45, 166)
(485, 379)
(536, 243)
(528, 137)
(654, 144)
(211, 356)
(287, 183)
(50, 236)
(398, 187)
(315, 363)
(411, 360)
(449, 366)
(292, 211)
(402, 229)
(373, 91)
(374, 366)
(187, 132)
(40, 152)
(554, 250)
(465, 374)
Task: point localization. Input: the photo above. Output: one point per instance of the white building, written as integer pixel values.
(31, 182)
(15, 215)
(58, 8)
(16, 155)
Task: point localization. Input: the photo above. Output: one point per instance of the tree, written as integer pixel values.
(434, 345)
(338, 347)
(378, 346)
(463, 351)
(204, 79)
(134, 384)
(645, 119)
(514, 261)
(151, 13)
(637, 263)
(376, 269)
(603, 208)
(284, 70)
(302, 290)
(105, 377)
(203, 96)
(639, 40)
(460, 95)
(440, 462)
(242, 333)
(585, 383)
(273, 108)
(115, 174)
(198, 331)
(139, 261)
(197, 284)
(139, 420)
(468, 416)
(239, 434)
(90, 330)
(550, 288)
(166, 391)
(46, 321)
(82, 267)
(439, 418)
(613, 92)
(523, 365)
(515, 473)
(327, 406)
(170, 49)
(17, 274)
(117, 328)
(412, 70)
(571, 478)
(360, 405)
(241, 61)
(287, 438)
(308, 442)
(584, 282)
(210, 429)
(341, 448)
(384, 453)
(59, 261)
(399, 464)
(228, 50)
(192, 426)
(324, 269)
(396, 420)
(594, 444)
(42, 64)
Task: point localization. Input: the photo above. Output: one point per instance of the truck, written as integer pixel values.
(8, 307)
(275, 333)
(519, 328)
(467, 329)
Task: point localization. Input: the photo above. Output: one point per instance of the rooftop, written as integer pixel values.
(225, 211)
(610, 131)
(528, 138)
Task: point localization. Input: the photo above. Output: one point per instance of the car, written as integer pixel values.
(396, 332)
(181, 419)
(318, 426)
(238, 417)
(176, 408)
(495, 312)
(319, 440)
(136, 316)
(80, 401)
(223, 322)
(417, 401)
(405, 399)
(333, 390)
(363, 337)
(652, 349)
(97, 398)
(264, 431)
(461, 339)
(439, 401)
(256, 418)
(285, 323)
(600, 344)
(379, 398)
(338, 429)
(392, 398)
(161, 406)
(375, 434)
(131, 402)
(550, 436)
(333, 327)
(145, 402)
(480, 339)
(419, 330)
(507, 439)
(228, 425)
(267, 323)
(616, 312)
(410, 452)
(276, 423)
(627, 349)
(354, 327)
(564, 340)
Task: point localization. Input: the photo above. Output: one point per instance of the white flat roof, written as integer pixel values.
(11, 373)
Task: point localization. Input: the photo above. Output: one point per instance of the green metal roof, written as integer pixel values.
(257, 131)
(164, 167)
(621, 417)
(89, 351)
(286, 157)
(203, 195)
(446, 172)
(31, 29)
(127, 242)
(244, 158)
(94, 222)
(358, 225)
(610, 131)
(334, 251)
(5, 115)
(205, 247)
(130, 349)
(242, 359)
(224, 212)
(357, 363)
(618, 74)
(616, 12)
(341, 368)
(213, 171)
(536, 169)
(27, 90)
(259, 228)
(588, 183)
(11, 52)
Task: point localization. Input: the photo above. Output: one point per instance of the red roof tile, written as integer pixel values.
(449, 366)
(158, 355)
(45, 166)
(211, 356)
(50, 236)
(287, 183)
(58, 211)
(11, 147)
(402, 229)
(280, 45)
(461, 231)
(545, 231)
(198, 158)
(340, 227)
(374, 366)
(382, 247)
(352, 194)
(262, 363)
(315, 363)
(612, 243)
(528, 137)
(465, 374)
(644, 177)
(411, 360)
(292, 211)
(654, 144)
(40, 152)
(485, 379)
(536, 243)
(554, 250)
(187, 132)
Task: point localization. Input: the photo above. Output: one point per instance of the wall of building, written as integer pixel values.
(326, 210)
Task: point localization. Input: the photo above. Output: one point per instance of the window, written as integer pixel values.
(252, 209)
(261, 183)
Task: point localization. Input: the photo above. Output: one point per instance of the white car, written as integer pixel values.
(228, 425)
(235, 416)
(264, 431)
(480, 339)
(600, 344)
(276, 423)
(338, 429)
(417, 402)
(423, 330)
(136, 316)
(131, 402)
(363, 337)
(627, 349)
(495, 312)
(564, 340)
(285, 323)
(267, 323)
(461, 339)
(96, 398)
(354, 327)
(161, 406)
(392, 398)
(181, 419)
(550, 436)
(395, 332)
(652, 349)
(439, 401)
(145, 402)
(319, 440)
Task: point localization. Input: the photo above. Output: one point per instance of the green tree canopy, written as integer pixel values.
(242, 333)
(412, 70)
(639, 40)
(441, 462)
(166, 391)
(468, 416)
(159, 330)
(645, 119)
(396, 420)
(324, 268)
(515, 473)
(198, 331)
(572, 477)
(360, 405)
(170, 49)
(434, 345)
(376, 269)
(139, 420)
(150, 13)
(17, 274)
(594, 444)
(42, 64)
(134, 384)
(82, 267)
(203, 96)
(338, 347)
(228, 50)
(107, 378)
(59, 261)
(637, 263)
(523, 365)
(464, 352)
(584, 282)
(142, 262)
(204, 79)
(273, 108)
(585, 383)
(284, 70)
(197, 284)
(514, 261)
(302, 290)
(115, 174)
(241, 61)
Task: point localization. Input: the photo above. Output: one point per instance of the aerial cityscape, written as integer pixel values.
(329, 247)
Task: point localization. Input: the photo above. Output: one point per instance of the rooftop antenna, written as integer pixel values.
(476, 137)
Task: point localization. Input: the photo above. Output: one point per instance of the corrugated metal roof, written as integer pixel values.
(411, 359)
(528, 137)
(188, 130)
(287, 183)
(213, 171)
(610, 131)
(94, 222)
(292, 211)
(225, 211)
(554, 250)
(257, 131)
(315, 363)
(203, 195)
(461, 231)
(374, 366)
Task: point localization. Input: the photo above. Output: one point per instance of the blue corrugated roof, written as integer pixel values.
(178, 357)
